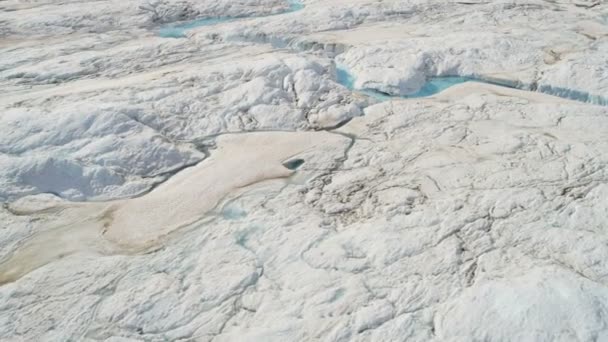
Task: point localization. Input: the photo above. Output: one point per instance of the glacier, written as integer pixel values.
(327, 170)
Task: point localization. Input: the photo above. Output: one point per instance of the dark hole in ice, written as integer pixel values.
(293, 164)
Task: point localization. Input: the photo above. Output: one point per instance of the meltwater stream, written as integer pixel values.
(436, 85)
(179, 30)
(433, 86)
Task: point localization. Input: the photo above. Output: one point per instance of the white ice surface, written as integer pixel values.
(138, 208)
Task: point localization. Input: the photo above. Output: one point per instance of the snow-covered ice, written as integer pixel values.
(338, 170)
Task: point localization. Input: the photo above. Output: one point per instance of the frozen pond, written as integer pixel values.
(179, 30)
(433, 86)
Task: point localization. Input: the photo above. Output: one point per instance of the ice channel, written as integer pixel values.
(436, 85)
(179, 30)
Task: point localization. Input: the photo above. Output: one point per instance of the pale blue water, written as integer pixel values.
(438, 84)
(345, 78)
(179, 30)
(574, 95)
(433, 86)
(295, 5)
(232, 212)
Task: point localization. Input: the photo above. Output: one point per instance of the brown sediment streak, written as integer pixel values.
(50, 245)
(138, 224)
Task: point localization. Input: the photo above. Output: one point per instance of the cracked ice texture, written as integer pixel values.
(107, 132)
(477, 214)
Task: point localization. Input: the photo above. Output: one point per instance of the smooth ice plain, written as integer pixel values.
(315, 170)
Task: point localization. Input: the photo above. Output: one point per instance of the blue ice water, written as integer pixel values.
(179, 31)
(433, 86)
(232, 212)
(574, 95)
(345, 78)
(438, 84)
(295, 5)
(171, 32)
(378, 95)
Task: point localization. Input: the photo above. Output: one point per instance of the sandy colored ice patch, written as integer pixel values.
(239, 161)
(138, 224)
